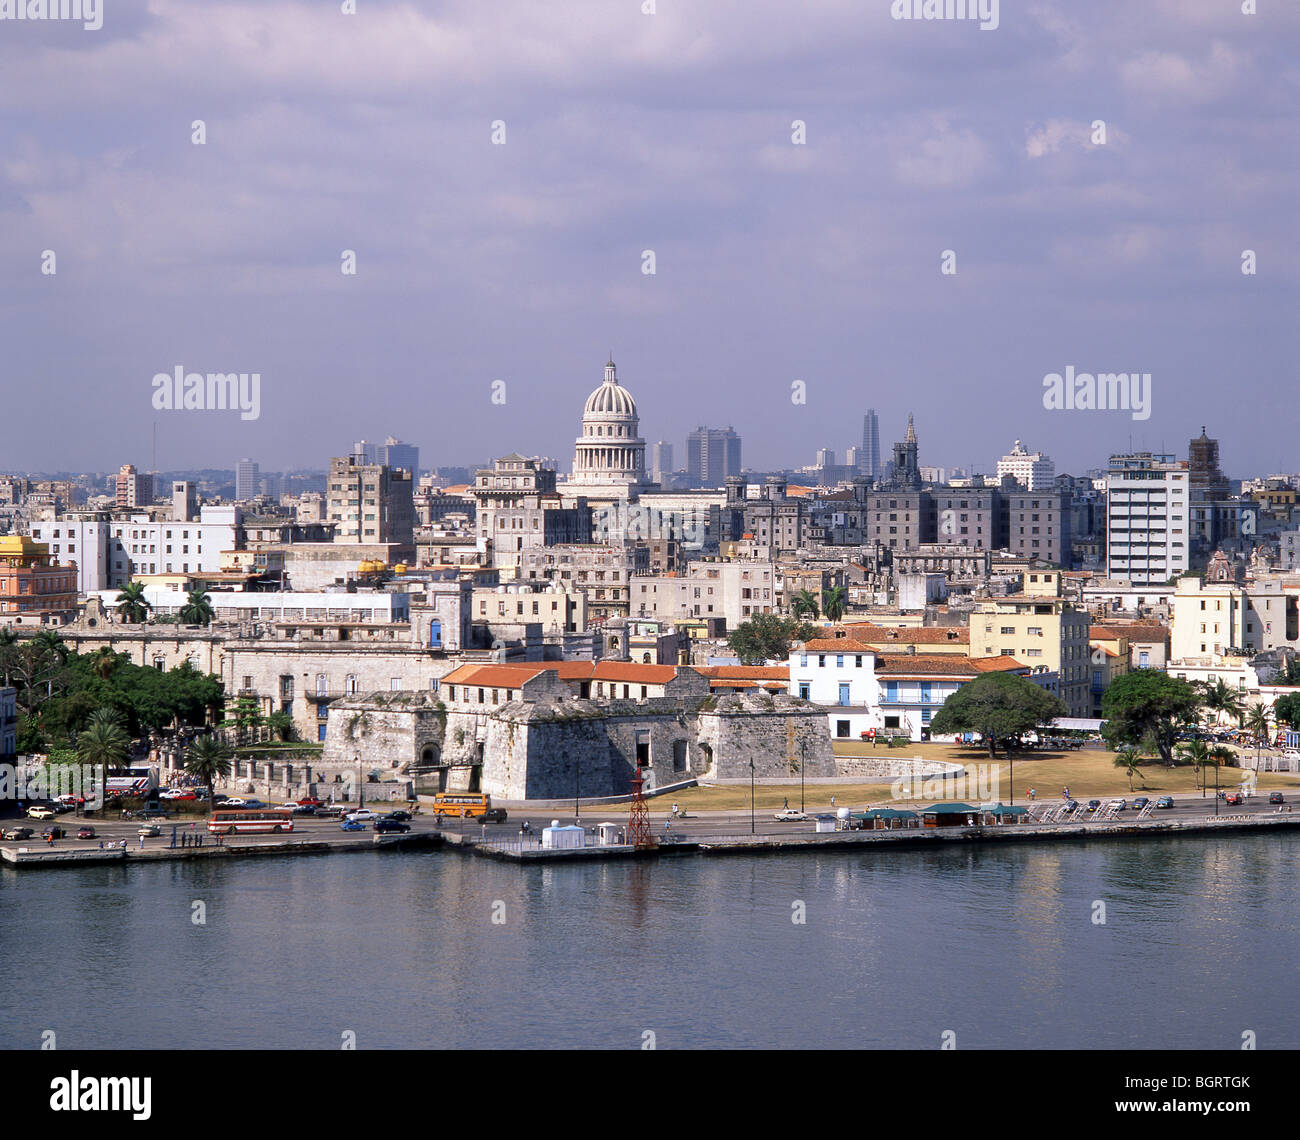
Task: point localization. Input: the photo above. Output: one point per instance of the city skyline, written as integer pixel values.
(814, 191)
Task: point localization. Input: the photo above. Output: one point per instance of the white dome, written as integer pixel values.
(610, 399)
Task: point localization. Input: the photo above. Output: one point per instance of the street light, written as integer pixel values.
(577, 776)
(802, 750)
(751, 796)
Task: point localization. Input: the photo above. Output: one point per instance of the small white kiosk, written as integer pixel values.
(566, 838)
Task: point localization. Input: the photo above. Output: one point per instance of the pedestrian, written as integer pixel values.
(787, 801)
(832, 801)
(142, 843)
(674, 809)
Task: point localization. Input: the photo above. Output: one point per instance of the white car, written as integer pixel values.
(790, 815)
(362, 815)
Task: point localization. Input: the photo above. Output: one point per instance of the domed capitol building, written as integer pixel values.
(609, 457)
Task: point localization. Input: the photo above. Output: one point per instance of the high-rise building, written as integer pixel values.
(369, 502)
(1147, 528)
(394, 453)
(1033, 470)
(365, 452)
(661, 460)
(712, 454)
(247, 479)
(825, 457)
(133, 489)
(869, 458)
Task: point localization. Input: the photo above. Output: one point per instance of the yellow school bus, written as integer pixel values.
(468, 804)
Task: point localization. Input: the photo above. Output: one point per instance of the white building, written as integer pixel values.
(247, 477)
(609, 456)
(1217, 618)
(708, 589)
(1147, 537)
(896, 695)
(321, 606)
(1031, 469)
(110, 552)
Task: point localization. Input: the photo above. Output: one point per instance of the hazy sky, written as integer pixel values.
(626, 132)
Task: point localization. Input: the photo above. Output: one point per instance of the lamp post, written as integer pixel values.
(751, 796)
(577, 775)
(802, 753)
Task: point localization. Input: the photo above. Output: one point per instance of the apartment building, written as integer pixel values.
(1039, 628)
(713, 588)
(370, 502)
(1148, 533)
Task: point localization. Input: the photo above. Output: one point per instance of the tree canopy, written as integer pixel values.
(997, 706)
(1148, 705)
(766, 637)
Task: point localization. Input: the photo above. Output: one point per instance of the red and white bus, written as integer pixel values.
(228, 821)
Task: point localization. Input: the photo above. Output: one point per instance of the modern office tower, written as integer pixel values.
(247, 479)
(394, 453)
(1033, 470)
(825, 457)
(661, 460)
(869, 458)
(712, 454)
(1147, 527)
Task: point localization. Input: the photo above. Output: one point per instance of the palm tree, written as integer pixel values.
(1257, 725)
(53, 653)
(1196, 752)
(1220, 697)
(1130, 760)
(104, 741)
(1221, 754)
(209, 759)
(805, 604)
(834, 602)
(103, 662)
(131, 603)
(197, 609)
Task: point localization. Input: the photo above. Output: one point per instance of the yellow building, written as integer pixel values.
(1042, 630)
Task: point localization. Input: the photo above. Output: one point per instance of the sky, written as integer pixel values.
(499, 170)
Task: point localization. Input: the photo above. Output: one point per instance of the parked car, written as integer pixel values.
(1276, 798)
(54, 831)
(386, 825)
(399, 816)
(1141, 802)
(309, 801)
(362, 815)
(153, 813)
(41, 812)
(179, 794)
(1117, 805)
(231, 801)
(1093, 805)
(1234, 798)
(329, 811)
(1071, 805)
(790, 815)
(305, 809)
(19, 833)
(1165, 802)
(86, 833)
(350, 824)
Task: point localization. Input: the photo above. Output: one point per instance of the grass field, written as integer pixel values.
(1089, 773)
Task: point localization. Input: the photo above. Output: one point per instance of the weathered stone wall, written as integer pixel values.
(388, 731)
(777, 731)
(554, 749)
